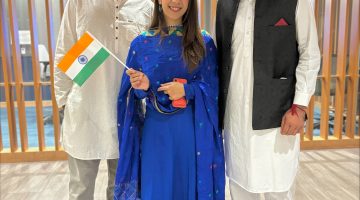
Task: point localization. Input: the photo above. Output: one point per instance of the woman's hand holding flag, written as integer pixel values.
(138, 79)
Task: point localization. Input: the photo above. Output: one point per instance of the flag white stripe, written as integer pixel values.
(89, 52)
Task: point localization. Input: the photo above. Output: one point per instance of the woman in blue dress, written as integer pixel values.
(170, 153)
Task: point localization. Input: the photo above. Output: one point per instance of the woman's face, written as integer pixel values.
(174, 10)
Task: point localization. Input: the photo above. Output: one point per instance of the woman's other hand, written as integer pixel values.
(175, 90)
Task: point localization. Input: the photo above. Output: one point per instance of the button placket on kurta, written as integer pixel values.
(116, 24)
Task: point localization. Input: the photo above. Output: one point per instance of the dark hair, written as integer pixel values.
(193, 44)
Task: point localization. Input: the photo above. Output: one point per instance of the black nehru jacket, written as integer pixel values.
(275, 58)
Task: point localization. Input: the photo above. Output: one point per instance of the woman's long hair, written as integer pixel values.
(193, 44)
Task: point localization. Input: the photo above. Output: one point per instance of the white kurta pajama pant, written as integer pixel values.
(89, 129)
(264, 161)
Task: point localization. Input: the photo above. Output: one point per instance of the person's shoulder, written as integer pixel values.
(136, 41)
(145, 35)
(149, 2)
(146, 5)
(72, 4)
(144, 2)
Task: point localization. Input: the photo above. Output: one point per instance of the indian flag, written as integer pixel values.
(83, 58)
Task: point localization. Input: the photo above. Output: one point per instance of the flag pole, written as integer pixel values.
(113, 55)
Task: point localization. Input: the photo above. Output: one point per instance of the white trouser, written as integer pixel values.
(239, 193)
(83, 175)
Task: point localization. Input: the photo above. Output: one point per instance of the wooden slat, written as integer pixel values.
(316, 8)
(213, 15)
(342, 45)
(332, 76)
(28, 104)
(26, 83)
(335, 12)
(51, 47)
(36, 74)
(7, 73)
(310, 122)
(62, 7)
(352, 88)
(319, 4)
(326, 69)
(32, 156)
(331, 143)
(202, 14)
(20, 99)
(316, 12)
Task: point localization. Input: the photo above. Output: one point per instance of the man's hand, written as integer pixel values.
(138, 79)
(175, 90)
(292, 123)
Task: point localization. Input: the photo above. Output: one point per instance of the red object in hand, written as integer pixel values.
(281, 22)
(180, 103)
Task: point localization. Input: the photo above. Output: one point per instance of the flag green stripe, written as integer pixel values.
(91, 66)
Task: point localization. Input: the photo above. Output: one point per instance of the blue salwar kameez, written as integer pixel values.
(169, 153)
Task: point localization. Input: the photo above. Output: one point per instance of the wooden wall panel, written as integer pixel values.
(353, 81)
(7, 73)
(342, 47)
(36, 74)
(326, 68)
(17, 67)
(51, 47)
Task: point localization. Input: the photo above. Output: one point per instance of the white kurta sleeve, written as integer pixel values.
(66, 39)
(309, 61)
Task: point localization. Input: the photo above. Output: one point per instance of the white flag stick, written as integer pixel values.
(116, 58)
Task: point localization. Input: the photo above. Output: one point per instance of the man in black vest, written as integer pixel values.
(269, 59)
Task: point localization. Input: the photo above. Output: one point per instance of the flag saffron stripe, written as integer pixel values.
(89, 52)
(91, 66)
(75, 52)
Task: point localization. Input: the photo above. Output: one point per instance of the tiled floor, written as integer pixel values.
(323, 175)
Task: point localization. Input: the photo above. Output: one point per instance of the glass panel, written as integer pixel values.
(317, 108)
(4, 127)
(48, 117)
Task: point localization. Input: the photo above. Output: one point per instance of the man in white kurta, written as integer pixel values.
(264, 161)
(89, 128)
